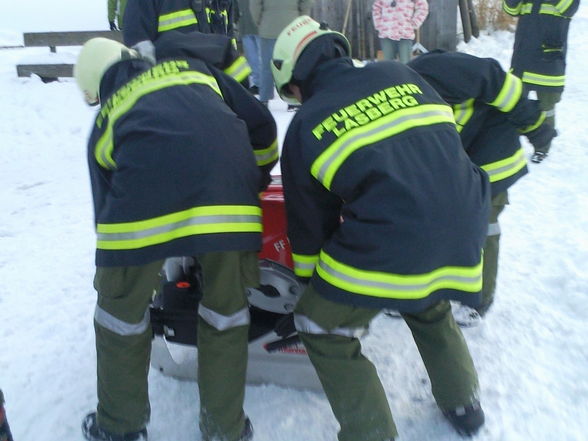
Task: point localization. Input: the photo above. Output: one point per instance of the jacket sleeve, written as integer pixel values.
(235, 65)
(421, 10)
(260, 123)
(255, 8)
(140, 21)
(459, 77)
(313, 212)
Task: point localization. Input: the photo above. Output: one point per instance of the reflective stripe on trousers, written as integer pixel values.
(494, 229)
(120, 327)
(224, 322)
(308, 326)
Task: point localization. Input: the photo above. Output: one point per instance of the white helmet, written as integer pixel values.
(96, 56)
(290, 45)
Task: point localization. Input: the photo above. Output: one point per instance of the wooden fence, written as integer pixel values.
(354, 19)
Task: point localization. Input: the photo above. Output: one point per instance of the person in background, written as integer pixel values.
(491, 113)
(385, 211)
(162, 188)
(271, 16)
(396, 22)
(250, 41)
(539, 52)
(116, 12)
(5, 434)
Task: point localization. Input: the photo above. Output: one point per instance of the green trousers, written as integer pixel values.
(223, 342)
(491, 249)
(547, 102)
(330, 333)
(123, 343)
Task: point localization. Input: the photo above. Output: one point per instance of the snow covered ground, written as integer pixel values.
(531, 351)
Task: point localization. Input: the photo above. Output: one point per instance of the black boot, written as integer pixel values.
(247, 433)
(93, 432)
(538, 157)
(467, 420)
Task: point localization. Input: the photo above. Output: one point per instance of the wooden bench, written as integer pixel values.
(50, 72)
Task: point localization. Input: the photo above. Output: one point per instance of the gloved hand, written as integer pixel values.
(541, 136)
(146, 49)
(113, 26)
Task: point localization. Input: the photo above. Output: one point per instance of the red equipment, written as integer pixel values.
(272, 359)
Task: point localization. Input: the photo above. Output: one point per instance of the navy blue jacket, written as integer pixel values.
(177, 155)
(490, 109)
(541, 41)
(147, 19)
(385, 209)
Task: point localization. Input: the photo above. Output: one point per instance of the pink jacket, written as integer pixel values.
(400, 21)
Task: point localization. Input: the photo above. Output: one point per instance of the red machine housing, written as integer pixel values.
(276, 246)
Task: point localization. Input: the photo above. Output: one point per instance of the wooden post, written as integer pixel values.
(466, 24)
(439, 31)
(473, 19)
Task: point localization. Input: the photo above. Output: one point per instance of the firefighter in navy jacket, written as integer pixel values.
(491, 113)
(178, 154)
(146, 21)
(539, 52)
(385, 210)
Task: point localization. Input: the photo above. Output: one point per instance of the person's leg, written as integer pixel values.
(123, 345)
(266, 84)
(223, 326)
(330, 333)
(547, 102)
(454, 381)
(404, 50)
(491, 248)
(387, 46)
(251, 50)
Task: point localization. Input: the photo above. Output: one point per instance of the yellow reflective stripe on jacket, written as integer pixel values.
(505, 168)
(239, 70)
(526, 8)
(105, 146)
(519, 9)
(509, 94)
(557, 9)
(304, 264)
(462, 113)
(198, 220)
(328, 163)
(268, 155)
(409, 287)
(544, 80)
(516, 10)
(539, 121)
(178, 19)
